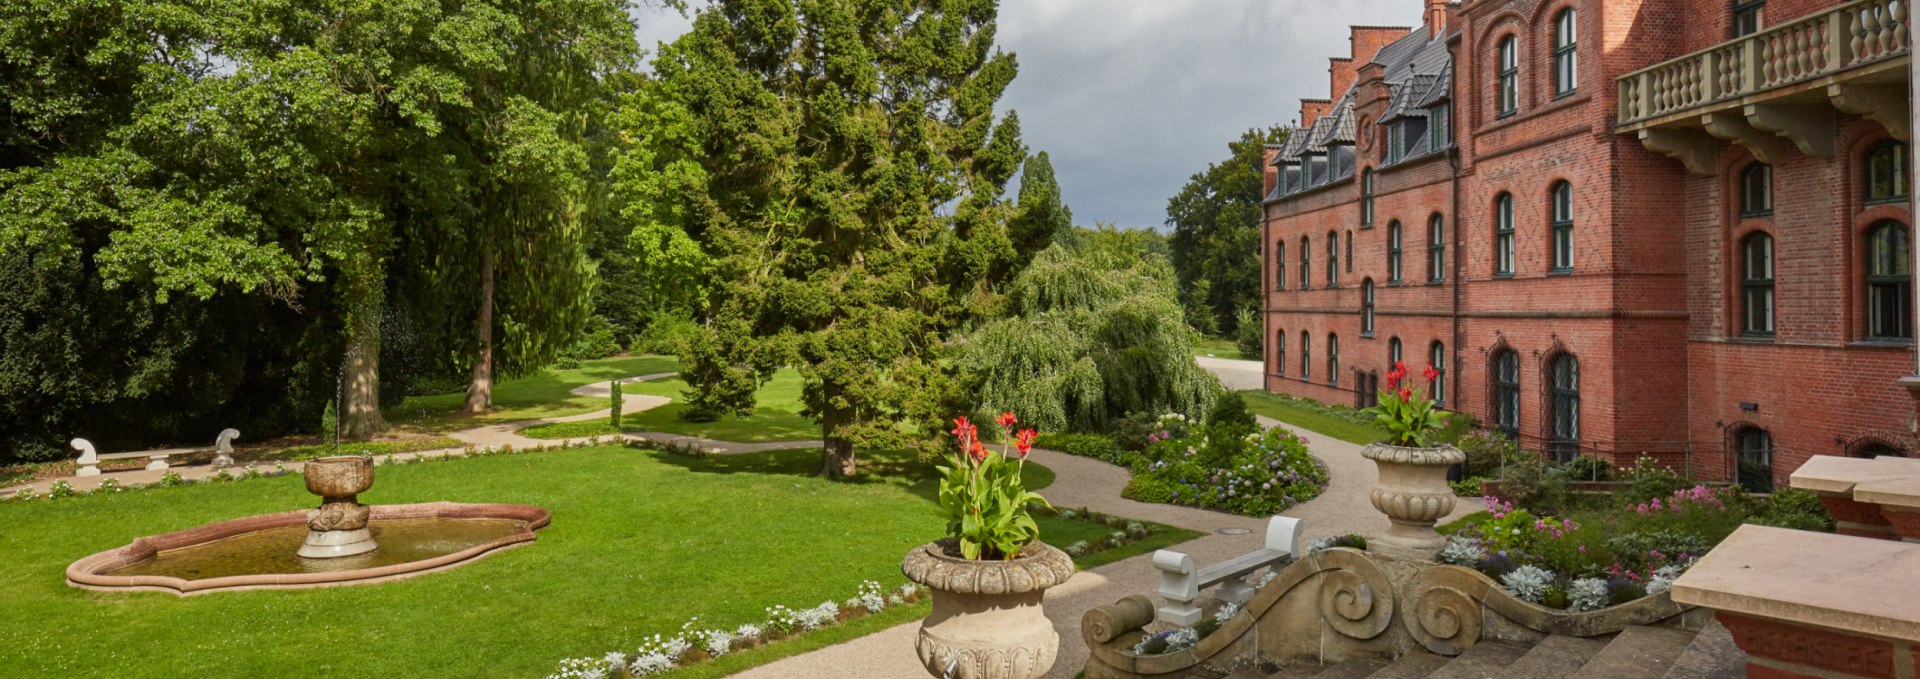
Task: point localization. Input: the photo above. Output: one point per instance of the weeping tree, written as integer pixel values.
(1096, 333)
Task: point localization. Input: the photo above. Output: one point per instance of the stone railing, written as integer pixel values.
(1181, 581)
(1853, 34)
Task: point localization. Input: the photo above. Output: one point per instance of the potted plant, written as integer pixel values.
(1412, 490)
(990, 574)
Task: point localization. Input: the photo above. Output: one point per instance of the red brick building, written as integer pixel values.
(1671, 227)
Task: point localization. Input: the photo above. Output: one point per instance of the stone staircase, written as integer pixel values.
(1636, 652)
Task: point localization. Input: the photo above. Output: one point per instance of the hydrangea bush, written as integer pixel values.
(1257, 475)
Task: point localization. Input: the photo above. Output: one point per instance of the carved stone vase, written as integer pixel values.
(339, 527)
(987, 620)
(1413, 493)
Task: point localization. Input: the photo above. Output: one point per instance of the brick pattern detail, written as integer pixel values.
(1850, 655)
(1905, 522)
(1650, 309)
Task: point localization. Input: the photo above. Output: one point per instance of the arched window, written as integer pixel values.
(1566, 65)
(1437, 249)
(1393, 252)
(1437, 357)
(1306, 355)
(1280, 265)
(1366, 198)
(1746, 17)
(1564, 372)
(1756, 190)
(1887, 172)
(1366, 308)
(1756, 285)
(1872, 448)
(1506, 392)
(1753, 453)
(1507, 97)
(1503, 235)
(1562, 201)
(1333, 259)
(1393, 351)
(1306, 263)
(1280, 353)
(1889, 282)
(1333, 359)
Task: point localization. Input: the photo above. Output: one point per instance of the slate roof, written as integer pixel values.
(1418, 70)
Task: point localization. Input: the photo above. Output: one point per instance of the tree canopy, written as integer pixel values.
(1215, 222)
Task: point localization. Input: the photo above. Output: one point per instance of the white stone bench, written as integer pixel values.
(156, 459)
(1181, 581)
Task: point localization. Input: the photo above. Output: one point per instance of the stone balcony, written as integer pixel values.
(1777, 89)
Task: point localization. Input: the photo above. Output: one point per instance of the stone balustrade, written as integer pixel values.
(1875, 498)
(1181, 581)
(1804, 604)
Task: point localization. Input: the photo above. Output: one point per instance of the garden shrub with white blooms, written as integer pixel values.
(1221, 467)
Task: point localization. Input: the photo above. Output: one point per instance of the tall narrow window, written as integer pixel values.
(1756, 190)
(1509, 77)
(1565, 373)
(1746, 16)
(1753, 448)
(1280, 265)
(1306, 263)
(1506, 393)
(1393, 351)
(1566, 64)
(1439, 128)
(1562, 201)
(1436, 249)
(1366, 198)
(1887, 172)
(1366, 307)
(1393, 252)
(1306, 355)
(1280, 353)
(1437, 357)
(1333, 359)
(1503, 235)
(1756, 285)
(1333, 258)
(1889, 282)
(1349, 252)
(1396, 141)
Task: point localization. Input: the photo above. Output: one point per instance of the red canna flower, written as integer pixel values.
(1431, 373)
(1024, 441)
(1406, 394)
(966, 433)
(979, 451)
(1007, 420)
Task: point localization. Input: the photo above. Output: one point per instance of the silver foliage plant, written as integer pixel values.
(1587, 594)
(1463, 551)
(1528, 583)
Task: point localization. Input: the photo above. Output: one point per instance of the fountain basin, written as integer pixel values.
(257, 552)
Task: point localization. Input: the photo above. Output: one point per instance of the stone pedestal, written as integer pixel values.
(1413, 493)
(339, 527)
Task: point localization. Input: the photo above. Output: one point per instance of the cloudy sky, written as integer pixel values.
(1131, 97)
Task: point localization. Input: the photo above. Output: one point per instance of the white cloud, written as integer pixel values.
(1130, 97)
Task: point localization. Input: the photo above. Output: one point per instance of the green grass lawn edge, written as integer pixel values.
(1310, 417)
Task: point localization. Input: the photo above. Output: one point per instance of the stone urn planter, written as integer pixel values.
(987, 621)
(1413, 493)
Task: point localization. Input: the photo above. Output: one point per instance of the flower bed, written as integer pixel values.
(1256, 475)
(1589, 560)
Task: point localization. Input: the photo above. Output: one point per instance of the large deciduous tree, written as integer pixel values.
(1215, 222)
(849, 198)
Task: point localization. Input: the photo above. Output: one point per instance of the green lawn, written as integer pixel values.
(640, 542)
(1335, 421)
(1218, 347)
(545, 393)
(776, 415)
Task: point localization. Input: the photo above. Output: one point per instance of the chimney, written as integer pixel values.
(1436, 18)
(1269, 175)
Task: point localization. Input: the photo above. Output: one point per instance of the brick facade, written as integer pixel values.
(1650, 307)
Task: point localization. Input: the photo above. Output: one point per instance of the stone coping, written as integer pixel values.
(1884, 480)
(90, 572)
(1844, 583)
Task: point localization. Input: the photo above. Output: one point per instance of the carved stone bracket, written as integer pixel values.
(1766, 146)
(1881, 103)
(1809, 126)
(1693, 148)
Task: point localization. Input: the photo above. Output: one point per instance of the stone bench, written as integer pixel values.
(89, 461)
(1181, 581)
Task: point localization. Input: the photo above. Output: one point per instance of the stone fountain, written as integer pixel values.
(339, 527)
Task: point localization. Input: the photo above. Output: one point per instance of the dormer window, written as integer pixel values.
(1396, 141)
(1440, 127)
(1317, 169)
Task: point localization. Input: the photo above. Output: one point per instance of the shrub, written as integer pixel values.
(1527, 483)
(1131, 432)
(663, 333)
(619, 401)
(1794, 508)
(1263, 478)
(1467, 487)
(1230, 419)
(1587, 468)
(597, 341)
(1088, 445)
(329, 424)
(1651, 480)
(1247, 339)
(61, 489)
(566, 363)
(1485, 450)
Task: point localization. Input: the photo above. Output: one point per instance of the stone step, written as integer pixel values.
(1411, 666)
(1302, 672)
(1486, 659)
(1555, 656)
(1638, 651)
(1712, 655)
(1357, 668)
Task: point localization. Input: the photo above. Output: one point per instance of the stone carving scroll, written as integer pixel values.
(1356, 598)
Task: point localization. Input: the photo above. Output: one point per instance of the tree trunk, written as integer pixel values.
(836, 455)
(360, 371)
(480, 385)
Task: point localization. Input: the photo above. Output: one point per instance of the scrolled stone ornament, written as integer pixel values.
(1356, 598)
